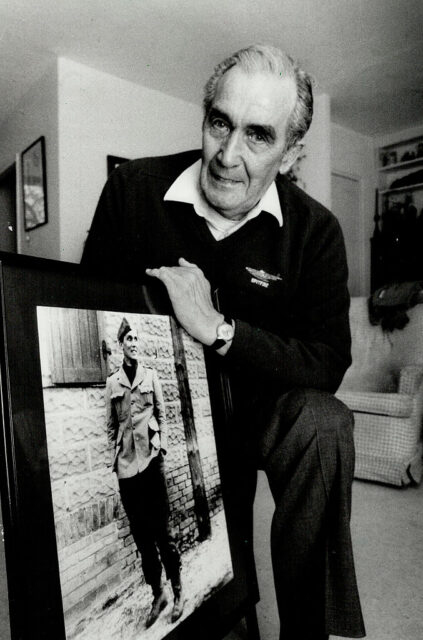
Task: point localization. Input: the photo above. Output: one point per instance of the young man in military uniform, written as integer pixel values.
(137, 434)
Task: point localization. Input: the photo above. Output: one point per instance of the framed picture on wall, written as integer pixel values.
(110, 405)
(34, 185)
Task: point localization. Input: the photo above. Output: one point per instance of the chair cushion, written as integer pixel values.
(397, 405)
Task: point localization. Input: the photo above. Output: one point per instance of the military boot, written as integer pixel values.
(159, 603)
(178, 603)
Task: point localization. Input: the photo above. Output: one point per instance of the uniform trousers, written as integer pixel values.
(303, 440)
(145, 500)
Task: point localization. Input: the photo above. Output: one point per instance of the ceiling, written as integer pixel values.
(366, 54)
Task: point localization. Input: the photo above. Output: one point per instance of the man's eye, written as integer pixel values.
(257, 137)
(219, 125)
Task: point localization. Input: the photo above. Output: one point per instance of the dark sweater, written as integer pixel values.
(293, 332)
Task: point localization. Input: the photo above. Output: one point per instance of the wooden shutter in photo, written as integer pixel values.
(76, 356)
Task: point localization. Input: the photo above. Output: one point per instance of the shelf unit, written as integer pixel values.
(401, 165)
(396, 245)
(393, 166)
(410, 187)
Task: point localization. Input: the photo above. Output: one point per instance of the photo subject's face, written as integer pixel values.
(130, 345)
(244, 139)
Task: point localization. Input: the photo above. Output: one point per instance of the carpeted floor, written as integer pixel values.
(387, 530)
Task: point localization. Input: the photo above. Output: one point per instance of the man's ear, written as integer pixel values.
(290, 157)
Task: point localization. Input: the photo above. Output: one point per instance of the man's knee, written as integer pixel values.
(307, 414)
(329, 418)
(309, 440)
(327, 410)
(332, 422)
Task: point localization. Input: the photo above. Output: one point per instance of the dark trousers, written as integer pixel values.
(303, 440)
(146, 503)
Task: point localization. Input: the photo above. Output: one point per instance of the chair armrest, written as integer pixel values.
(411, 378)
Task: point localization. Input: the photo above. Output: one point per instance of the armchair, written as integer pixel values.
(384, 389)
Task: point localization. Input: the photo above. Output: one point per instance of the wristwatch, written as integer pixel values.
(224, 334)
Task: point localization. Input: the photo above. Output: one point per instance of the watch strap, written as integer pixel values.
(220, 342)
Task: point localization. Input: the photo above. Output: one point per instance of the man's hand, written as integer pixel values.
(189, 293)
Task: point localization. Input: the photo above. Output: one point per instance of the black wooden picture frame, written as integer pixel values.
(36, 599)
(34, 185)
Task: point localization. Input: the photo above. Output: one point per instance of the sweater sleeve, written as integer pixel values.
(315, 351)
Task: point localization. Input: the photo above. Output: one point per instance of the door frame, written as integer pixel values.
(361, 231)
(4, 175)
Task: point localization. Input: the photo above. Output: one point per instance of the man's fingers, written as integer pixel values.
(175, 279)
(186, 271)
(189, 293)
(184, 263)
(182, 269)
(155, 273)
(162, 273)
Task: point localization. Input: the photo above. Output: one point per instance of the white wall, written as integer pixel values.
(353, 155)
(315, 168)
(35, 116)
(100, 114)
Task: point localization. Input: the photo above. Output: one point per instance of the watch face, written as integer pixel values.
(225, 331)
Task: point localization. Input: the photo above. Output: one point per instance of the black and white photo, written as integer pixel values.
(139, 518)
(211, 314)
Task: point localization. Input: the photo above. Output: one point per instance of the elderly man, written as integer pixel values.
(137, 434)
(227, 221)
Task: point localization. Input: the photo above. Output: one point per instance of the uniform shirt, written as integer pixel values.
(136, 420)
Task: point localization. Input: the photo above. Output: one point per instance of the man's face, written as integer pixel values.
(244, 139)
(130, 346)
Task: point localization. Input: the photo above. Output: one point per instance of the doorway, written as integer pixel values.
(8, 210)
(346, 207)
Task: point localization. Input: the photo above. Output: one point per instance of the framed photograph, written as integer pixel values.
(113, 162)
(34, 186)
(115, 485)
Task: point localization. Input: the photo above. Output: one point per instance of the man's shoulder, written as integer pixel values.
(159, 167)
(113, 376)
(295, 202)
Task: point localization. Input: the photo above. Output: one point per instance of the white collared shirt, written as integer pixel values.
(186, 189)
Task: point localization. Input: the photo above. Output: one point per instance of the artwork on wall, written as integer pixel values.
(76, 564)
(34, 185)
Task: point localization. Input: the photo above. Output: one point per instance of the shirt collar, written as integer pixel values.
(186, 189)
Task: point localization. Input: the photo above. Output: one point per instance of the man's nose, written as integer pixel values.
(230, 150)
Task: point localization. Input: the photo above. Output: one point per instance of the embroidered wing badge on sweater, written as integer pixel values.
(260, 277)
